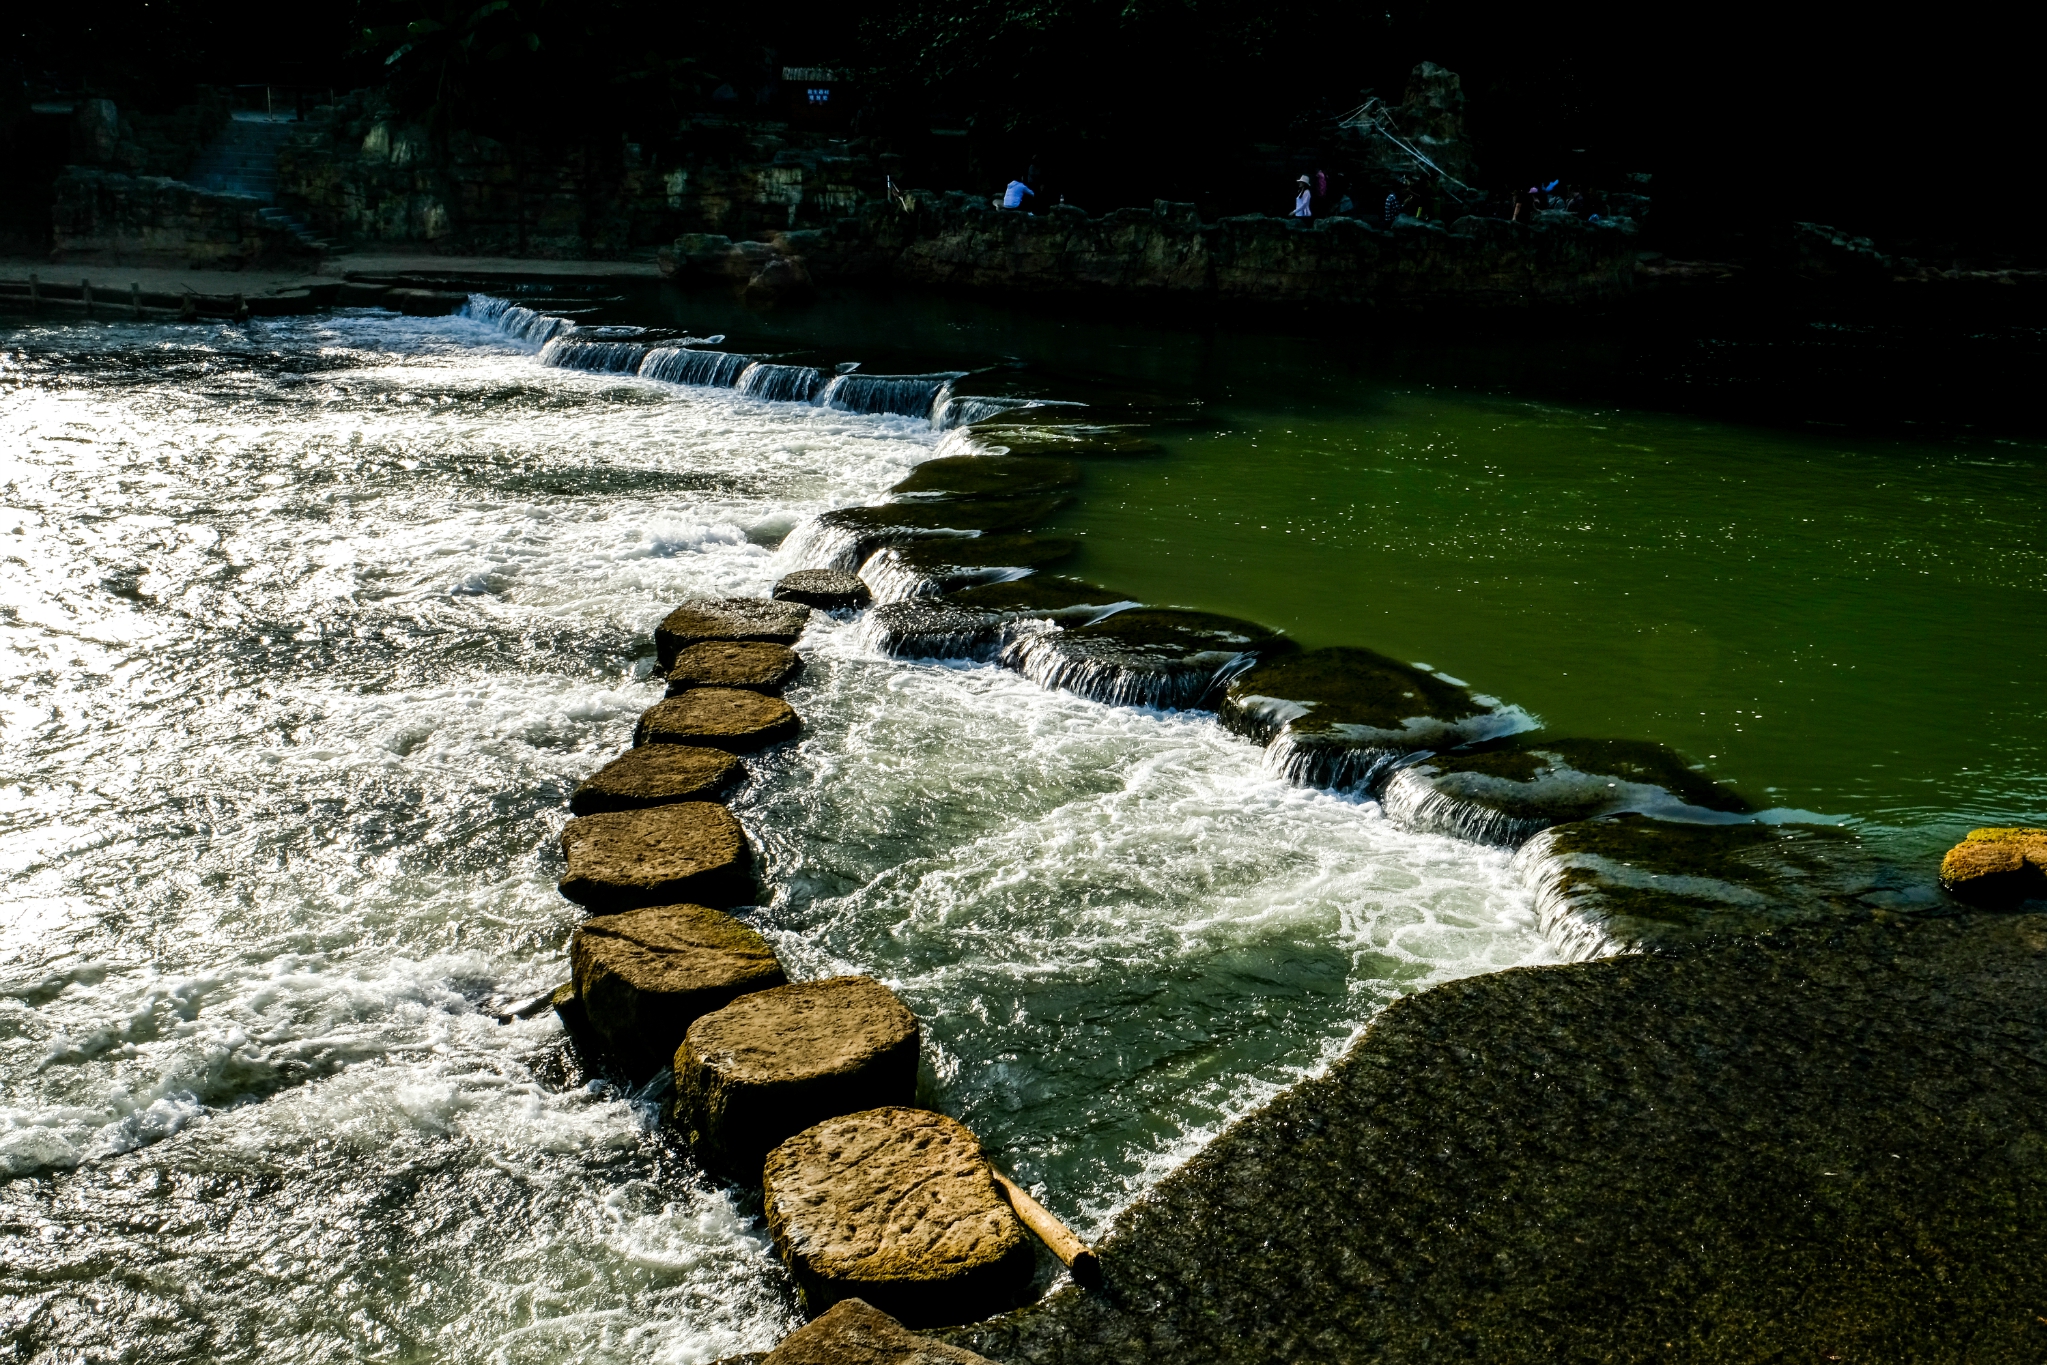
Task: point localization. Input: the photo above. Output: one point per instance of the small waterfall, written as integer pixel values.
(515, 321)
(781, 383)
(897, 395)
(952, 412)
(1557, 914)
(1411, 799)
(1331, 761)
(707, 369)
(1121, 677)
(925, 629)
(892, 580)
(600, 357)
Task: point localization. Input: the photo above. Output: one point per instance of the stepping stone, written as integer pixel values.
(769, 1065)
(644, 976)
(843, 539)
(1504, 794)
(851, 1332)
(1145, 657)
(750, 666)
(693, 851)
(825, 589)
(718, 718)
(990, 475)
(658, 775)
(1624, 882)
(1997, 868)
(1345, 718)
(727, 618)
(926, 568)
(975, 623)
(896, 1207)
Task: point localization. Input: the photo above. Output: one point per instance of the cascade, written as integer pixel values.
(781, 383)
(899, 395)
(679, 365)
(520, 323)
(601, 357)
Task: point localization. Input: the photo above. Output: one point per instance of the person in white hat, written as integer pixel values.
(1303, 201)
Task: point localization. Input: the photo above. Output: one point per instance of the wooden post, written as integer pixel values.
(241, 309)
(35, 292)
(85, 292)
(135, 298)
(1077, 1255)
(189, 310)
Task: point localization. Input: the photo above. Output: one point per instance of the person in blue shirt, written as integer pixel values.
(1013, 197)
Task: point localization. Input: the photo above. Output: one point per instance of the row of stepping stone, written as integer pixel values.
(806, 1088)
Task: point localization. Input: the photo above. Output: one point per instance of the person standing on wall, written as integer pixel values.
(1304, 201)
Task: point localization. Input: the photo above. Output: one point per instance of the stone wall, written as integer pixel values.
(107, 215)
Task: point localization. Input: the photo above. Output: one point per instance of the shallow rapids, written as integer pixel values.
(311, 627)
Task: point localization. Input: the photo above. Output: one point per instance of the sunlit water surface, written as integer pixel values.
(310, 629)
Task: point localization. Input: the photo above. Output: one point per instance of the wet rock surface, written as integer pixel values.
(926, 568)
(896, 1207)
(1631, 881)
(1998, 868)
(1075, 442)
(771, 1064)
(851, 1332)
(658, 775)
(1506, 793)
(825, 589)
(991, 475)
(1816, 1145)
(975, 622)
(692, 852)
(843, 539)
(1343, 717)
(1145, 656)
(727, 718)
(644, 976)
(751, 666)
(728, 618)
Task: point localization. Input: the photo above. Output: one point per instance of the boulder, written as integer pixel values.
(825, 589)
(926, 568)
(1344, 718)
(728, 618)
(1997, 868)
(1629, 882)
(657, 775)
(896, 1207)
(990, 475)
(725, 718)
(644, 976)
(1504, 793)
(1146, 656)
(750, 666)
(692, 851)
(851, 1332)
(771, 1064)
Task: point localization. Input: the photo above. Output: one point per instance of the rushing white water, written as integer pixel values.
(309, 630)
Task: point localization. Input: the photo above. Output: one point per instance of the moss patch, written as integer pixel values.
(974, 476)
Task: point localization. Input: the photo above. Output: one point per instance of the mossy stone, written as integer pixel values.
(749, 665)
(727, 718)
(657, 775)
(991, 475)
(644, 976)
(848, 535)
(1997, 868)
(1504, 793)
(946, 564)
(728, 618)
(1041, 597)
(1145, 656)
(825, 589)
(895, 1206)
(771, 1064)
(692, 852)
(852, 1332)
(1021, 441)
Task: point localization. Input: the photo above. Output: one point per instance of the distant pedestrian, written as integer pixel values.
(1013, 197)
(1304, 201)
(1392, 206)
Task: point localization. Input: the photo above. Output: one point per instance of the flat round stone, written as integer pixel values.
(725, 718)
(825, 589)
(752, 666)
(897, 1207)
(657, 775)
(770, 1064)
(693, 851)
(644, 976)
(728, 618)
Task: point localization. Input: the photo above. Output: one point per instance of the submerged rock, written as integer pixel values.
(692, 851)
(990, 475)
(843, 539)
(1502, 795)
(851, 1332)
(657, 775)
(644, 976)
(1066, 442)
(825, 589)
(1343, 718)
(771, 1064)
(1146, 656)
(895, 1206)
(751, 666)
(976, 622)
(728, 618)
(2000, 868)
(1623, 882)
(725, 718)
(926, 568)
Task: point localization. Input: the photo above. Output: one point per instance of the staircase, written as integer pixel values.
(243, 160)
